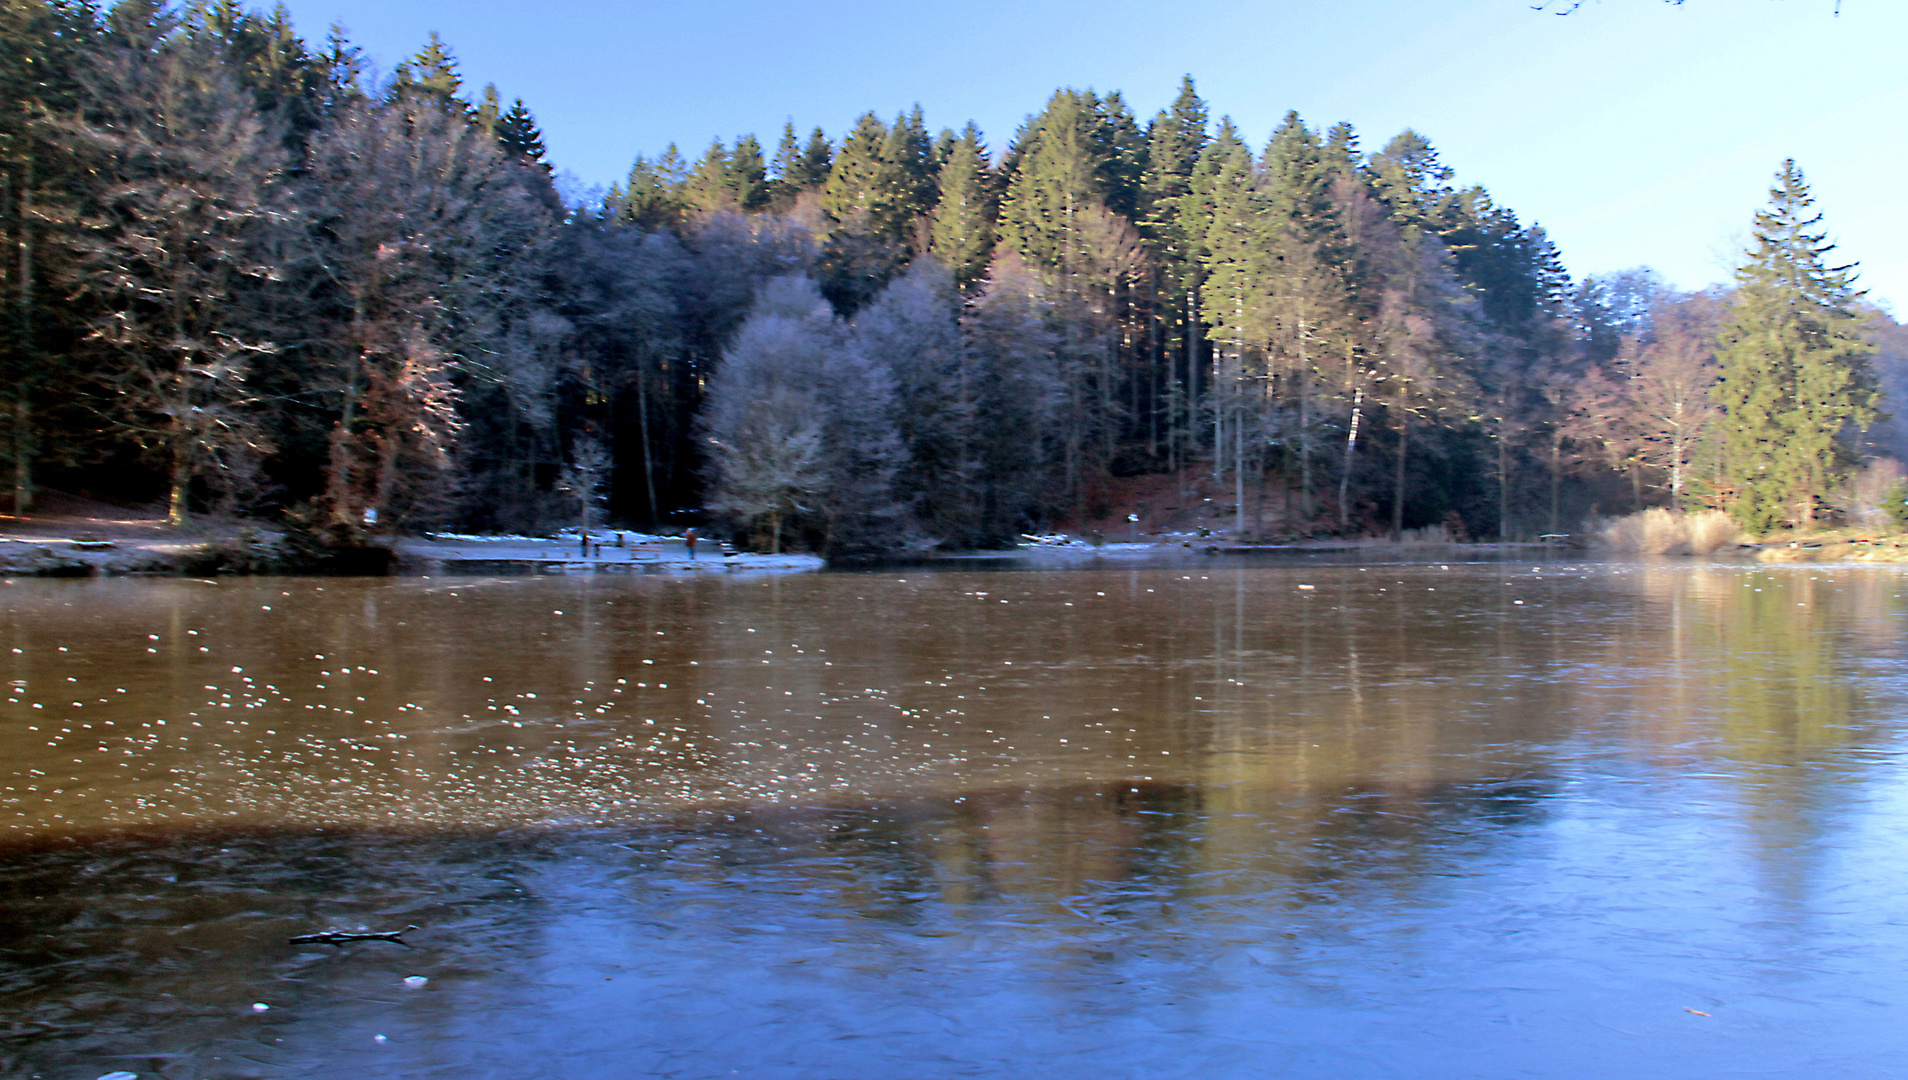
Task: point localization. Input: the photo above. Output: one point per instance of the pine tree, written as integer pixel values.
(708, 187)
(432, 73)
(818, 156)
(1794, 365)
(1225, 213)
(518, 133)
(962, 232)
(1057, 183)
(1411, 181)
(1308, 298)
(748, 176)
(1175, 140)
(855, 177)
(653, 196)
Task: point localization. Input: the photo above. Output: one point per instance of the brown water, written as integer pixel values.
(1426, 821)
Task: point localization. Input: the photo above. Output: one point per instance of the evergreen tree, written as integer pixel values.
(818, 157)
(961, 234)
(43, 49)
(1175, 140)
(1225, 213)
(520, 137)
(653, 197)
(432, 73)
(709, 186)
(1057, 183)
(857, 173)
(748, 175)
(1794, 365)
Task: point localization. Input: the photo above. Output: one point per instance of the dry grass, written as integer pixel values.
(1710, 530)
(1657, 531)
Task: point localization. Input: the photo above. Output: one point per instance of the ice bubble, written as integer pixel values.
(259, 1006)
(415, 981)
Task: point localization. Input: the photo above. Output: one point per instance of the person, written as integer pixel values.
(689, 541)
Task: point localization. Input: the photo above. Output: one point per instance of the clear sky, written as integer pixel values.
(1636, 132)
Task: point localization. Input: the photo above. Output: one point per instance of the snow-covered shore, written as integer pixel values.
(609, 551)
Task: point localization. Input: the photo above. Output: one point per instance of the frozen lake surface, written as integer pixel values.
(1211, 819)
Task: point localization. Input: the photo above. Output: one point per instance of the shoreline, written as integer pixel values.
(225, 550)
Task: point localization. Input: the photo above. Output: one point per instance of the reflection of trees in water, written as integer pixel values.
(1764, 668)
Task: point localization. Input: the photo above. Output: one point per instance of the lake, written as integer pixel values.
(1208, 818)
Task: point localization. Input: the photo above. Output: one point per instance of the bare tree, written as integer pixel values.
(188, 177)
(432, 237)
(764, 416)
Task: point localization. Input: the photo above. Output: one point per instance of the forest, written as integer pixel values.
(246, 278)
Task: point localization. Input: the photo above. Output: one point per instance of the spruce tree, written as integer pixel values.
(748, 176)
(1175, 140)
(653, 196)
(432, 72)
(517, 131)
(962, 231)
(855, 176)
(1794, 365)
(817, 158)
(708, 188)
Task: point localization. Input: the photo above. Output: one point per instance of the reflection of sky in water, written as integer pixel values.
(1396, 825)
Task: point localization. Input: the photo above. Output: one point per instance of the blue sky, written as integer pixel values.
(1635, 131)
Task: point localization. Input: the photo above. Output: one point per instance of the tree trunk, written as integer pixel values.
(1351, 452)
(179, 482)
(1398, 485)
(22, 451)
(649, 471)
(1238, 477)
(23, 389)
(1556, 475)
(1306, 505)
(1503, 489)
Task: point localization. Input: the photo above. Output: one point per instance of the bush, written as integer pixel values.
(1657, 531)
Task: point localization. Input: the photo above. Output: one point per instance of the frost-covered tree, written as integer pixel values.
(170, 253)
(1016, 389)
(430, 235)
(912, 328)
(799, 428)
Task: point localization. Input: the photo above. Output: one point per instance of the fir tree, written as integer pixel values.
(432, 73)
(748, 176)
(962, 232)
(818, 156)
(518, 133)
(856, 174)
(708, 187)
(653, 195)
(1794, 365)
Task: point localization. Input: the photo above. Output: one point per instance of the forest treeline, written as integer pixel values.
(245, 277)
